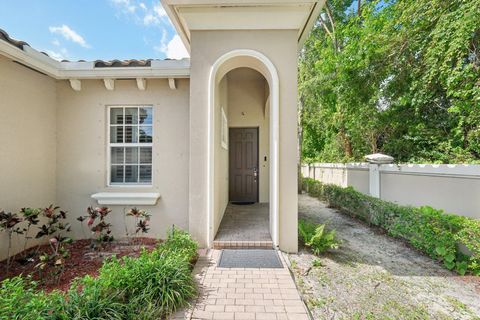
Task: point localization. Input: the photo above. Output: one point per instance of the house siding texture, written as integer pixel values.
(82, 148)
(27, 142)
(53, 142)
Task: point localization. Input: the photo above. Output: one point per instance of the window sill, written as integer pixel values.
(126, 198)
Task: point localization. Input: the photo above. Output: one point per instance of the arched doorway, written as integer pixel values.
(253, 60)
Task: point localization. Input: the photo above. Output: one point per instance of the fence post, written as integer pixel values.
(374, 163)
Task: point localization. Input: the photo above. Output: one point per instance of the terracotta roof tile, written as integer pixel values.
(16, 43)
(98, 63)
(123, 63)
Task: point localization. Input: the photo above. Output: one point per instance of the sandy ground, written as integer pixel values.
(373, 276)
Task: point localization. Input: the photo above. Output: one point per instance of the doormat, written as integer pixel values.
(238, 203)
(249, 258)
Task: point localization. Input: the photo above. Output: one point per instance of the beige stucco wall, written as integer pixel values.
(358, 179)
(453, 188)
(221, 154)
(345, 175)
(247, 108)
(337, 176)
(457, 195)
(27, 142)
(82, 149)
(280, 47)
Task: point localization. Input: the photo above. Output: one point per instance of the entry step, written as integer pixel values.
(232, 244)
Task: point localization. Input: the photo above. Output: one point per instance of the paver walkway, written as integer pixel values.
(244, 293)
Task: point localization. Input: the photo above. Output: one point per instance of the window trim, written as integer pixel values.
(110, 145)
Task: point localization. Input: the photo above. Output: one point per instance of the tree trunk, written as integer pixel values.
(347, 145)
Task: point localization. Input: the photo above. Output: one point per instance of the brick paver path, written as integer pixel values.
(238, 293)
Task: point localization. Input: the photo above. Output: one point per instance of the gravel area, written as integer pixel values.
(373, 276)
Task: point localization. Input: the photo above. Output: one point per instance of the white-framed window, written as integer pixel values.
(224, 130)
(130, 142)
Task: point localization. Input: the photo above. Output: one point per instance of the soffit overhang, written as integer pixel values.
(192, 15)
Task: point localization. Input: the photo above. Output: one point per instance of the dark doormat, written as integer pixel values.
(249, 258)
(238, 203)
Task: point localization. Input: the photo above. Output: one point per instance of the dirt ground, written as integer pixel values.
(373, 276)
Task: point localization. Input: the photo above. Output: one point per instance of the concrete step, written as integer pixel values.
(234, 244)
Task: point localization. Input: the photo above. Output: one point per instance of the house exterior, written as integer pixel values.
(158, 134)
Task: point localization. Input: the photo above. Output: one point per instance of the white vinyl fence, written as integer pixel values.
(453, 188)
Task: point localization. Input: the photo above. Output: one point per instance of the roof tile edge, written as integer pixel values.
(65, 69)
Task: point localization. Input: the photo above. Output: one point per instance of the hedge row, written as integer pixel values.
(151, 286)
(452, 239)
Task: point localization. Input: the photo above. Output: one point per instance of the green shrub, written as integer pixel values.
(19, 299)
(160, 281)
(316, 237)
(88, 299)
(431, 231)
(180, 243)
(151, 286)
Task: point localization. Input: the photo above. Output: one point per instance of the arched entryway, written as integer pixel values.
(247, 62)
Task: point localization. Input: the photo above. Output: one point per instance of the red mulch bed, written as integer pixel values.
(83, 260)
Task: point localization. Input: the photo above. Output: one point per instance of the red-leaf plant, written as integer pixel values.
(31, 217)
(97, 224)
(54, 228)
(142, 219)
(9, 223)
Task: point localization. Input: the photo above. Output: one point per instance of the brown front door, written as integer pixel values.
(243, 154)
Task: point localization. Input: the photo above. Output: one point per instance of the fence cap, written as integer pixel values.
(379, 158)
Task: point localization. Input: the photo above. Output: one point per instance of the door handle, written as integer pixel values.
(255, 173)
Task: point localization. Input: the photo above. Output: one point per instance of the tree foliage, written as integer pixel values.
(398, 77)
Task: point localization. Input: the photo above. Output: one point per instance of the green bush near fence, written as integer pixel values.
(451, 239)
(151, 286)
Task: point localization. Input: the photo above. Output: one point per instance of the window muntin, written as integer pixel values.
(130, 145)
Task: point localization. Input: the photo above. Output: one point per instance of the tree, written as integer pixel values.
(399, 77)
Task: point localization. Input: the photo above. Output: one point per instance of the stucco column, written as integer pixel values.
(198, 146)
(375, 161)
